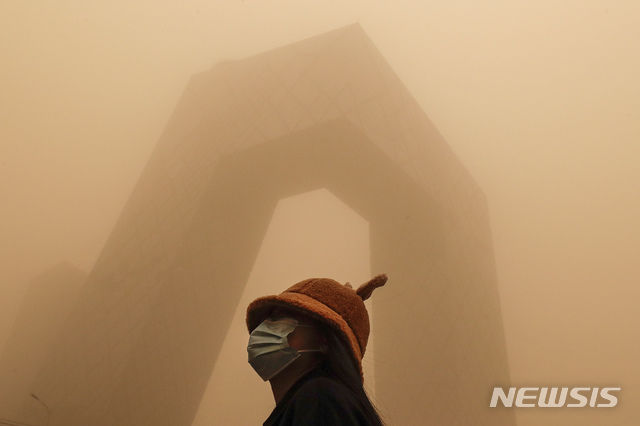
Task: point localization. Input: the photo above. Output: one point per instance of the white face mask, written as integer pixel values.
(268, 348)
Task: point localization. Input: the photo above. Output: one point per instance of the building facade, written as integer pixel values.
(327, 112)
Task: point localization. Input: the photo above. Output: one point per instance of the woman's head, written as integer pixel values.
(325, 302)
(319, 324)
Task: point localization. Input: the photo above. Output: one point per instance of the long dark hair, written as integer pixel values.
(339, 364)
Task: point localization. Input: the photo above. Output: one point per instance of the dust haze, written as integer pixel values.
(539, 100)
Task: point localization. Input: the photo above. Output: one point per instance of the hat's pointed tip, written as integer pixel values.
(366, 289)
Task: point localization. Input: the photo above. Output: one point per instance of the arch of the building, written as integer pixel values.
(208, 276)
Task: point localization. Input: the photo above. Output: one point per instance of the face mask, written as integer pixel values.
(269, 350)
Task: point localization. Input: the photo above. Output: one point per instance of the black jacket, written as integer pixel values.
(317, 399)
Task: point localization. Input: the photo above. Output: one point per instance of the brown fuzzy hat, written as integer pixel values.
(328, 301)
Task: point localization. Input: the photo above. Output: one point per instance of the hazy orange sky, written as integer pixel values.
(540, 100)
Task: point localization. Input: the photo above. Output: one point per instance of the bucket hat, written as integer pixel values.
(339, 306)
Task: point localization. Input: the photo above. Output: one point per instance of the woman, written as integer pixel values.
(308, 342)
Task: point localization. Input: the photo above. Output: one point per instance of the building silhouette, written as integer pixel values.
(327, 112)
(49, 299)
